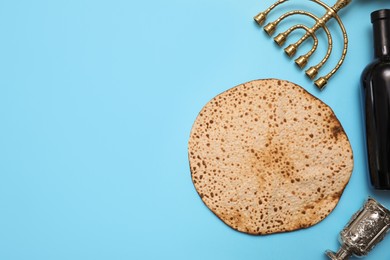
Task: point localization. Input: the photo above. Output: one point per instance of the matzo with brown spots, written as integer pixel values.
(267, 157)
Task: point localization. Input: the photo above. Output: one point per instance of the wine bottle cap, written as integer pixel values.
(380, 14)
(381, 25)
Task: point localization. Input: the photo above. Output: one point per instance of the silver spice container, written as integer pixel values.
(365, 229)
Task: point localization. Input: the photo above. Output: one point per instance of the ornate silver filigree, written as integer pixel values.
(366, 228)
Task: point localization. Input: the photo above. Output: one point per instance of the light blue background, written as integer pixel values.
(97, 99)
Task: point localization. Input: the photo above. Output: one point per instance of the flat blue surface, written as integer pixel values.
(97, 100)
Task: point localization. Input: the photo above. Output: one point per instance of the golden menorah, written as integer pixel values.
(320, 22)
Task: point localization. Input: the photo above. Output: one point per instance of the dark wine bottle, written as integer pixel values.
(376, 103)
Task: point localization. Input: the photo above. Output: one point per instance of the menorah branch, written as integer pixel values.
(320, 22)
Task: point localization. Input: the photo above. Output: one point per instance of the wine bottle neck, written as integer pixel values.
(381, 25)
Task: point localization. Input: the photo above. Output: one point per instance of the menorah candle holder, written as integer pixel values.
(310, 32)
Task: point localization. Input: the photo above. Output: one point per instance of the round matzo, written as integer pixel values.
(267, 157)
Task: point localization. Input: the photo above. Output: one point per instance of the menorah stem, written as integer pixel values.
(313, 71)
(321, 82)
(340, 4)
(302, 60)
(323, 20)
(320, 23)
(291, 49)
(304, 38)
